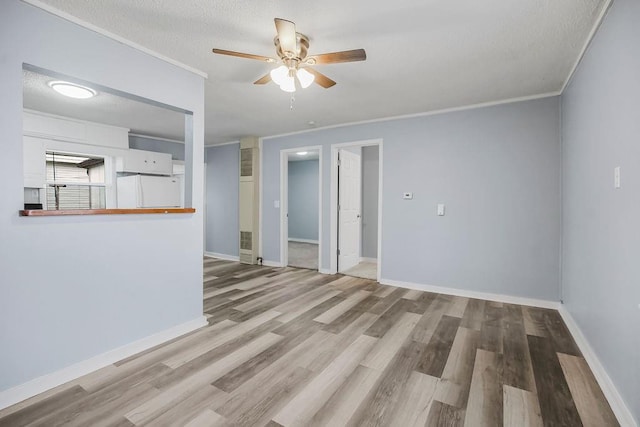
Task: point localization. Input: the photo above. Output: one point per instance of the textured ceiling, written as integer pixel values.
(422, 55)
(104, 108)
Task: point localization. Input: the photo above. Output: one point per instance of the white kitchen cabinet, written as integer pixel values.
(60, 128)
(147, 162)
(34, 162)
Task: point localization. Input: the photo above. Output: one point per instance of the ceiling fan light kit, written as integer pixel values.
(285, 78)
(292, 48)
(305, 78)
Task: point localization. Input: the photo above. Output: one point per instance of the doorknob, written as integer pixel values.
(358, 216)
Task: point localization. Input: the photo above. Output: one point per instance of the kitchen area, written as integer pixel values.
(132, 158)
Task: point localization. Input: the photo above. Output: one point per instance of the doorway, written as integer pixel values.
(300, 199)
(356, 183)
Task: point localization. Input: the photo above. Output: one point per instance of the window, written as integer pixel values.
(75, 181)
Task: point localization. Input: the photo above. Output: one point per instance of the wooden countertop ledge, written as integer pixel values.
(40, 212)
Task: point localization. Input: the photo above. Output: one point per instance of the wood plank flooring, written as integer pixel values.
(291, 347)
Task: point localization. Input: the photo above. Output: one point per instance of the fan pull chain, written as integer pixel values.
(293, 99)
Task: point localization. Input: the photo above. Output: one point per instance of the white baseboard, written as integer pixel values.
(222, 256)
(619, 408)
(294, 239)
(473, 294)
(367, 259)
(325, 271)
(46, 382)
(268, 263)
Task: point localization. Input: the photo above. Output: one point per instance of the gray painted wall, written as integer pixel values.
(497, 169)
(601, 225)
(370, 164)
(223, 185)
(150, 144)
(303, 199)
(143, 273)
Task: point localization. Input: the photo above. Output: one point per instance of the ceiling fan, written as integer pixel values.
(291, 48)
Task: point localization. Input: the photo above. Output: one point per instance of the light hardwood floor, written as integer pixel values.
(296, 348)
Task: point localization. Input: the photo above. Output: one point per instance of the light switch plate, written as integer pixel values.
(616, 177)
(440, 209)
(407, 196)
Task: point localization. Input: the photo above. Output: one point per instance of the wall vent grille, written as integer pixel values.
(245, 240)
(246, 162)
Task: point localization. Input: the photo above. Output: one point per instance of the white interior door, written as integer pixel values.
(349, 200)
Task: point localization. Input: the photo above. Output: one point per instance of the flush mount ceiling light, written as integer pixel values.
(291, 48)
(302, 153)
(72, 90)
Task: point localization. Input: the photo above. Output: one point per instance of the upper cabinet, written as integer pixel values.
(147, 162)
(65, 129)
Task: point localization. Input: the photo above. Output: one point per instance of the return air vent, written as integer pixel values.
(245, 240)
(246, 164)
(249, 194)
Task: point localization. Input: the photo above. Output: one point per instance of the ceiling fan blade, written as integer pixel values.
(320, 78)
(335, 57)
(287, 35)
(242, 55)
(263, 80)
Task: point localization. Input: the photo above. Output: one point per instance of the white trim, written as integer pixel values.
(260, 198)
(204, 206)
(380, 200)
(423, 114)
(509, 299)
(284, 201)
(367, 259)
(268, 263)
(46, 382)
(293, 239)
(75, 20)
(333, 190)
(325, 271)
(618, 406)
(284, 225)
(587, 43)
(222, 256)
(227, 143)
(320, 206)
(157, 138)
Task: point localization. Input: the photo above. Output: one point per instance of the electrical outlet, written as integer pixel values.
(440, 209)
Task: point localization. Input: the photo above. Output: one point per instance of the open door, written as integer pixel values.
(349, 209)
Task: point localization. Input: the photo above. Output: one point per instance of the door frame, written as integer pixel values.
(333, 213)
(284, 202)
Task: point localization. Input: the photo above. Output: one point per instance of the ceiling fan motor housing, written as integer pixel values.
(302, 46)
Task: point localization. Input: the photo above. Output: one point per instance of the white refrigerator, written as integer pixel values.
(149, 191)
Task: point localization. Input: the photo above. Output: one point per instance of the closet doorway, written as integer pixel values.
(356, 183)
